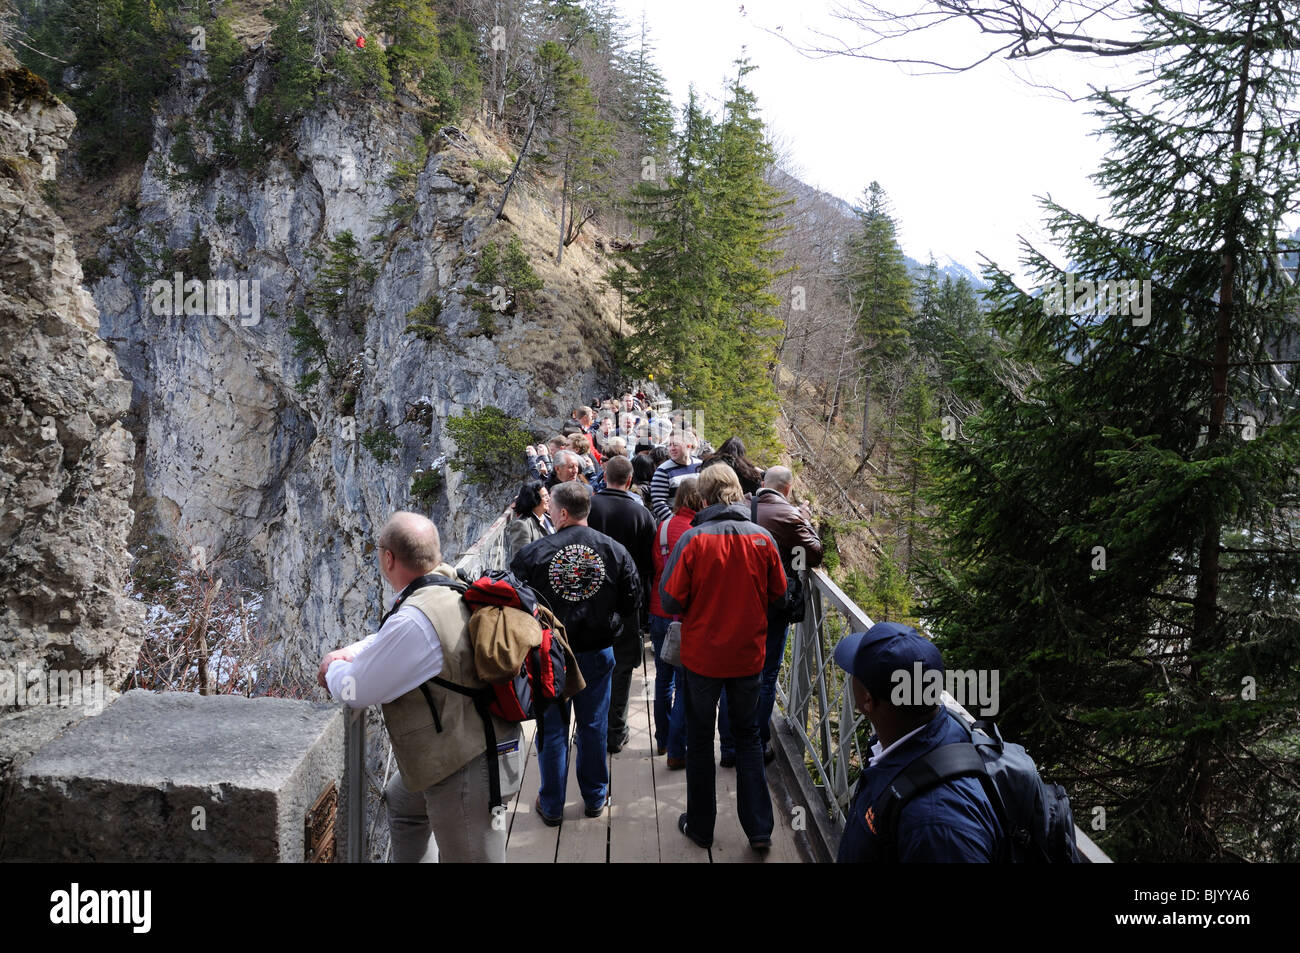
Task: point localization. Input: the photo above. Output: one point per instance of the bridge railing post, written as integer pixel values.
(354, 773)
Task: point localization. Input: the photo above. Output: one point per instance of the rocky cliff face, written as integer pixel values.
(237, 457)
(65, 459)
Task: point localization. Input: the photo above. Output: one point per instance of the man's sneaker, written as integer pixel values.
(760, 843)
(614, 747)
(597, 811)
(676, 764)
(546, 818)
(697, 841)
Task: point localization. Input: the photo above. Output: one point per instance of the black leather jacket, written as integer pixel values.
(587, 579)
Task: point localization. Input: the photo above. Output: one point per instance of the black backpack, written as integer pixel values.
(1037, 822)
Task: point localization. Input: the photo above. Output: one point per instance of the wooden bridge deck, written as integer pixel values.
(646, 799)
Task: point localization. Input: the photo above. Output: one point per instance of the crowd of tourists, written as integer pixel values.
(714, 542)
(629, 526)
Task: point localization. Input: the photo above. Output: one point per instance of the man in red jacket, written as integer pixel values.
(720, 578)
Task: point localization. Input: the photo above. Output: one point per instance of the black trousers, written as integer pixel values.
(628, 649)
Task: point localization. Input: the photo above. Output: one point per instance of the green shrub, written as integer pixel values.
(402, 180)
(187, 166)
(422, 320)
(363, 69)
(224, 53)
(224, 215)
(489, 446)
(427, 486)
(381, 443)
(309, 343)
(92, 269)
(510, 270)
(337, 289)
(308, 380)
(495, 169)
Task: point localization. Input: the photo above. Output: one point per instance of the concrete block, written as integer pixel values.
(177, 777)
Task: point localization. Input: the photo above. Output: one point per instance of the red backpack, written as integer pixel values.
(541, 678)
(539, 681)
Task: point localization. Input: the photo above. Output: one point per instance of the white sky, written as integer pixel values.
(961, 156)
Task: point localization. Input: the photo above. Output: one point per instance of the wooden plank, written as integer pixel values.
(647, 799)
(634, 825)
(784, 850)
(583, 840)
(730, 845)
(670, 804)
(530, 841)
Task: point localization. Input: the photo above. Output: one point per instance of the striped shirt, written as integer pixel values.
(667, 476)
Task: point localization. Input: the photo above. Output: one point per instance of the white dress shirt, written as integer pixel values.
(387, 664)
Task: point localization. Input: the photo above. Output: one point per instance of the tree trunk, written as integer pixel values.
(1205, 634)
(564, 206)
(866, 418)
(523, 151)
(201, 637)
(911, 511)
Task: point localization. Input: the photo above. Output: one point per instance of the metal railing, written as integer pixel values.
(818, 727)
(363, 784)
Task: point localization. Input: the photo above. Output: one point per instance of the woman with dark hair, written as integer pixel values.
(751, 477)
(530, 522)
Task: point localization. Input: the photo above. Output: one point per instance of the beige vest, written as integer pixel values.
(424, 754)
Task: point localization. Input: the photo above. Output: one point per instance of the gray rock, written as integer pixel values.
(65, 459)
(177, 777)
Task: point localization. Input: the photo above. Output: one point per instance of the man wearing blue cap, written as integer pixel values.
(894, 674)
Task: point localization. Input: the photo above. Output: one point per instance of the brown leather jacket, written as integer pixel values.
(786, 524)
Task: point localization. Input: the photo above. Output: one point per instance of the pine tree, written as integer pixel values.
(880, 293)
(706, 324)
(1121, 524)
(672, 282)
(117, 56)
(648, 111)
(925, 333)
(745, 216)
(301, 35)
(412, 28)
(579, 145)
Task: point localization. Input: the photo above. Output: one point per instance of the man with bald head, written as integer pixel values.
(439, 799)
(800, 549)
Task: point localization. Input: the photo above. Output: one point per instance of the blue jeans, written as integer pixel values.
(777, 630)
(590, 708)
(753, 803)
(670, 699)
